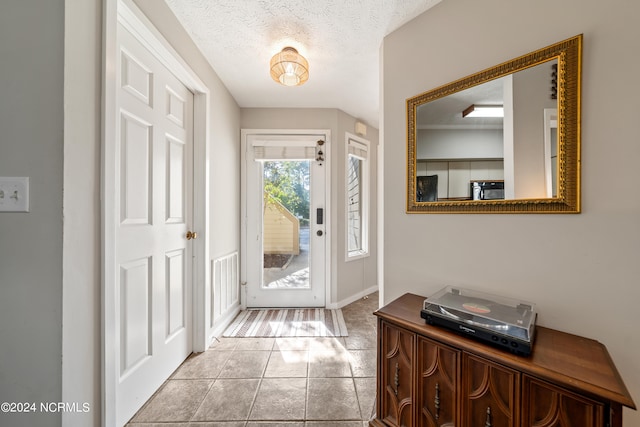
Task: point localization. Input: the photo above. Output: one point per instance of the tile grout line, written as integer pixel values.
(210, 386)
(204, 397)
(255, 396)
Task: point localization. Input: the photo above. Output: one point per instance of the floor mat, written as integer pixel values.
(293, 322)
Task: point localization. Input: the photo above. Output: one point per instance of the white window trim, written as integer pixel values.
(365, 201)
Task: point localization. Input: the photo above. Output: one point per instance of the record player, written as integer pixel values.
(504, 322)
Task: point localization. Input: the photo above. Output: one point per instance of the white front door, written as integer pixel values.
(286, 220)
(149, 300)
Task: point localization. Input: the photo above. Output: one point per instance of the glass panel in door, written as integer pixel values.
(285, 224)
(285, 247)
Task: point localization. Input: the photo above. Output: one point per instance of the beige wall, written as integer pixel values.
(31, 142)
(528, 103)
(348, 279)
(582, 270)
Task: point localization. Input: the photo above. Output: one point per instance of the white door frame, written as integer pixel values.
(127, 13)
(245, 133)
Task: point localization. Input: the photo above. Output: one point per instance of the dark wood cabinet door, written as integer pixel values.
(438, 383)
(490, 394)
(546, 405)
(396, 355)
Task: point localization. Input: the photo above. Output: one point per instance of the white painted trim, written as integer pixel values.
(380, 185)
(135, 21)
(201, 272)
(217, 324)
(366, 203)
(222, 325)
(352, 298)
(270, 133)
(129, 15)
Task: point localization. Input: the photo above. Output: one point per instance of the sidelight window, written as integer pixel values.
(357, 193)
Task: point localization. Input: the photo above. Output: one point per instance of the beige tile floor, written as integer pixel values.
(272, 382)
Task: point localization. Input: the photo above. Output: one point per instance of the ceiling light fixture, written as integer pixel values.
(289, 68)
(483, 111)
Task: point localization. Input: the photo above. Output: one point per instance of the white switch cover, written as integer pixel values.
(14, 194)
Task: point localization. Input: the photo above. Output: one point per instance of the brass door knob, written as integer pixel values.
(191, 235)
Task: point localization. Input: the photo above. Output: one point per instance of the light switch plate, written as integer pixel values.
(14, 194)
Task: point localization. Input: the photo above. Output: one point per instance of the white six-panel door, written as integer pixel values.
(152, 290)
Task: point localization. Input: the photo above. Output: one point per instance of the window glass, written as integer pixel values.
(357, 197)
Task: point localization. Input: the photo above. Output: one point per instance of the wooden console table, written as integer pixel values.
(429, 376)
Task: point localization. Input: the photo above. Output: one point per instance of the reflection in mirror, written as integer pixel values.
(462, 149)
(551, 151)
(493, 142)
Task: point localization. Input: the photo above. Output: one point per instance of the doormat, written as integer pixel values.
(293, 322)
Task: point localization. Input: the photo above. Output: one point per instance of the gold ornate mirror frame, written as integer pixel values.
(569, 56)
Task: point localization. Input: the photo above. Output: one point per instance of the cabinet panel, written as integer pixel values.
(490, 393)
(438, 383)
(459, 177)
(546, 405)
(442, 170)
(397, 385)
(486, 170)
(421, 168)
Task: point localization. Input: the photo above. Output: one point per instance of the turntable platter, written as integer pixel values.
(474, 320)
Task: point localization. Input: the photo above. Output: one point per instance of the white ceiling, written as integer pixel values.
(446, 112)
(341, 39)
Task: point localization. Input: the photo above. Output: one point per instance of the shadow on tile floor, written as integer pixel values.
(272, 382)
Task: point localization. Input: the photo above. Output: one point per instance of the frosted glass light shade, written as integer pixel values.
(289, 68)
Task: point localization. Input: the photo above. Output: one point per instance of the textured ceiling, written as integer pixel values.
(341, 39)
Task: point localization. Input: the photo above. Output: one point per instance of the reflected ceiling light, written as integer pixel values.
(483, 111)
(289, 68)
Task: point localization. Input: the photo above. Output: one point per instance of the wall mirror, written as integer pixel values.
(504, 140)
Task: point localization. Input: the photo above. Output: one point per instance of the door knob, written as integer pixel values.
(319, 233)
(191, 235)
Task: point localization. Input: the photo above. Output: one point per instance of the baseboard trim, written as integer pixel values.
(352, 298)
(222, 325)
